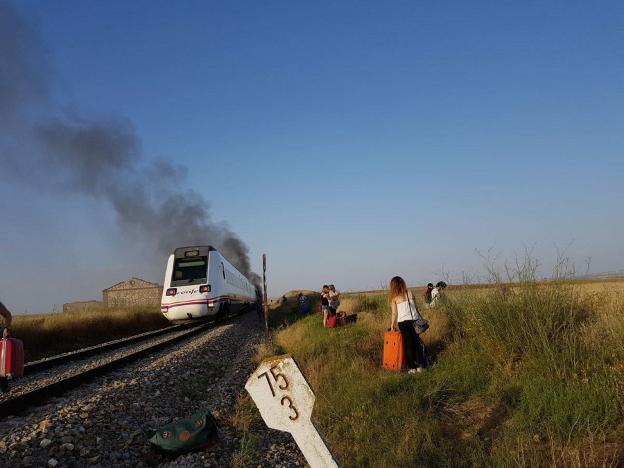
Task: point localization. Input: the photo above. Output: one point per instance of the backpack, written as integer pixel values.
(185, 435)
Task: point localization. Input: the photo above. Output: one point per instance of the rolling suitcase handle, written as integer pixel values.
(3, 360)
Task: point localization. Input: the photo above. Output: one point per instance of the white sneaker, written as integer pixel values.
(420, 369)
(411, 371)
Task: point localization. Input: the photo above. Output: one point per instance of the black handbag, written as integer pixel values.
(420, 324)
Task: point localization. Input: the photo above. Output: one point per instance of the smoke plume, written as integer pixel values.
(98, 157)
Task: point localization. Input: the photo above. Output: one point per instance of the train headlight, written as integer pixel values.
(204, 288)
(172, 291)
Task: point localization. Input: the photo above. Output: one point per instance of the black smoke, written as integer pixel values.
(95, 156)
(22, 67)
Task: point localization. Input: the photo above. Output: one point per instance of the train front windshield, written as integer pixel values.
(190, 271)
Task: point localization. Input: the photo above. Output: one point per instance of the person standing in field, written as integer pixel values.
(427, 293)
(404, 313)
(437, 294)
(334, 299)
(325, 304)
(304, 306)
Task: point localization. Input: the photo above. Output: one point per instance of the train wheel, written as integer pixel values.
(225, 311)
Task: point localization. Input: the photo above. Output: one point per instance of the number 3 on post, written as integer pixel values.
(290, 405)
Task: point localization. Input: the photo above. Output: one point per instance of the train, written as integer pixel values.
(201, 284)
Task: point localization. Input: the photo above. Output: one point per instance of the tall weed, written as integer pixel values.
(567, 408)
(531, 320)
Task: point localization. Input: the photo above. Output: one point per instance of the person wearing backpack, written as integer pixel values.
(404, 314)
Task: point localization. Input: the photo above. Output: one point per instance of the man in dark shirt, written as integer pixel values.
(303, 304)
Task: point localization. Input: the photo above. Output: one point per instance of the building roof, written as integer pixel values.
(133, 283)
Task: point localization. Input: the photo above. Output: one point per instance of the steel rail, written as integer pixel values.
(37, 396)
(47, 363)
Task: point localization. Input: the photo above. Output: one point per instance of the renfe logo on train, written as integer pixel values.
(285, 401)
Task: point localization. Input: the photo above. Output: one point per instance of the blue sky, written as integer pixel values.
(350, 141)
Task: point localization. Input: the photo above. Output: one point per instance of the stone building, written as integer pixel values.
(132, 292)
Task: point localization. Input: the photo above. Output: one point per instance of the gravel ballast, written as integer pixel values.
(44, 377)
(107, 422)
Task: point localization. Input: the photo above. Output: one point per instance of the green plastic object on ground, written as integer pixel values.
(187, 434)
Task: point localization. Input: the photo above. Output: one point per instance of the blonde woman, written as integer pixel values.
(404, 312)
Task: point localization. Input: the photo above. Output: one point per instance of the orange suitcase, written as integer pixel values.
(393, 354)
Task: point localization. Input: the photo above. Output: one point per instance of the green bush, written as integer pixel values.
(567, 408)
(541, 322)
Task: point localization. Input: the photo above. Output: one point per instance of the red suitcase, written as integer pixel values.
(393, 353)
(11, 358)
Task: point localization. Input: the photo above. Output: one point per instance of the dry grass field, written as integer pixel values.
(49, 334)
(528, 374)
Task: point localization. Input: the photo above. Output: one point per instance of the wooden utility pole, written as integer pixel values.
(265, 298)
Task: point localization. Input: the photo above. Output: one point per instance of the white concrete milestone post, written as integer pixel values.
(285, 401)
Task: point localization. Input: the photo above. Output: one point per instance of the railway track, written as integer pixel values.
(108, 420)
(47, 363)
(54, 376)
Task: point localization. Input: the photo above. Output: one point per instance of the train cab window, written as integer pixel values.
(189, 271)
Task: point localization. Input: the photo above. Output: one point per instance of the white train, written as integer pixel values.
(200, 283)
